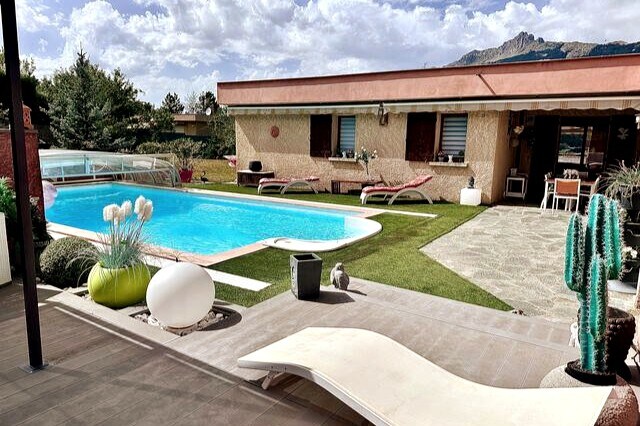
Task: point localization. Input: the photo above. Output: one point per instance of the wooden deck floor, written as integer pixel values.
(99, 374)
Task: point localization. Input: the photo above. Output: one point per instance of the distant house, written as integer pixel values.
(536, 117)
(191, 124)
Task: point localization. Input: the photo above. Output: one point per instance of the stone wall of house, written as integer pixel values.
(33, 162)
(288, 153)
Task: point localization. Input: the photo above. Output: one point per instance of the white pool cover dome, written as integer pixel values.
(63, 165)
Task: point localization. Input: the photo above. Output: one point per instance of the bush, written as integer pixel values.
(153, 148)
(64, 262)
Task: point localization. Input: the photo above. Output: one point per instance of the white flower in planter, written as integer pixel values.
(126, 208)
(146, 212)
(110, 212)
(140, 202)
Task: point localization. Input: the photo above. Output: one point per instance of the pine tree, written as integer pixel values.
(171, 103)
(90, 109)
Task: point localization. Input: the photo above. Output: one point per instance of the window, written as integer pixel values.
(320, 135)
(453, 139)
(421, 135)
(347, 133)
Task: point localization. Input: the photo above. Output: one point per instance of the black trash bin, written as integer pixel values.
(306, 271)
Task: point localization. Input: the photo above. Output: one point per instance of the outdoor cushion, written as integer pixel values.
(287, 180)
(415, 183)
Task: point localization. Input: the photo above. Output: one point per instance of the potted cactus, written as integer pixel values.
(593, 255)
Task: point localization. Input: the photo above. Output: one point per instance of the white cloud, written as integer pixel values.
(181, 46)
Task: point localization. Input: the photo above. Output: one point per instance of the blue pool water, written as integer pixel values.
(202, 224)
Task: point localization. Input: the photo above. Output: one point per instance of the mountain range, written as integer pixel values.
(526, 47)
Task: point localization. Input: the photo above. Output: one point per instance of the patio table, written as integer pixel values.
(336, 183)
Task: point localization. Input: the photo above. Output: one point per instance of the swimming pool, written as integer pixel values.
(209, 224)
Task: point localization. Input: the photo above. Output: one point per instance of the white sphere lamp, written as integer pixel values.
(180, 295)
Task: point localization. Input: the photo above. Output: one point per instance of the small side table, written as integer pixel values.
(249, 178)
(516, 186)
(470, 196)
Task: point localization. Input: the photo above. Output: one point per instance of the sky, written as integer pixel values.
(186, 46)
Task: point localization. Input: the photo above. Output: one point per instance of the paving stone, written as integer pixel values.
(517, 254)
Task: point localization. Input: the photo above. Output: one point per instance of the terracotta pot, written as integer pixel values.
(185, 175)
(118, 288)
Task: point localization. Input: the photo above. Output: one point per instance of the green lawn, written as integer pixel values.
(391, 257)
(216, 170)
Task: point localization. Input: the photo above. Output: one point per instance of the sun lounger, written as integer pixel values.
(408, 190)
(283, 184)
(389, 384)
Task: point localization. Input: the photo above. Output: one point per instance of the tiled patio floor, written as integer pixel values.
(103, 373)
(517, 254)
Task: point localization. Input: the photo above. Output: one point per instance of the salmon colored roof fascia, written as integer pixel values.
(583, 76)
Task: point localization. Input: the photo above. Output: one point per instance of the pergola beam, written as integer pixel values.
(21, 184)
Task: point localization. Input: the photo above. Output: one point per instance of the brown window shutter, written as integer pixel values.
(320, 135)
(421, 136)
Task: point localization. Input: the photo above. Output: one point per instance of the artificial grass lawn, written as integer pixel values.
(390, 257)
(217, 170)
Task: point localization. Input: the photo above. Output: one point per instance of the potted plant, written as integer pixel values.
(365, 157)
(185, 150)
(120, 277)
(441, 156)
(623, 184)
(594, 255)
(631, 265)
(41, 237)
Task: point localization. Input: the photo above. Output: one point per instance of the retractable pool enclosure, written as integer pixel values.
(60, 165)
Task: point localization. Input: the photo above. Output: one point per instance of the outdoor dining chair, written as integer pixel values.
(568, 190)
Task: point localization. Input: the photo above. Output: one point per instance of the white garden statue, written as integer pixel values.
(339, 277)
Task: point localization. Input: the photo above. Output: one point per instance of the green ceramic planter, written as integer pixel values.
(118, 288)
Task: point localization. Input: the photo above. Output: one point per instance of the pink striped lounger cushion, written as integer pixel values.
(415, 183)
(285, 181)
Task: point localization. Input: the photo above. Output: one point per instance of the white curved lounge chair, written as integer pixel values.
(389, 384)
(408, 190)
(283, 184)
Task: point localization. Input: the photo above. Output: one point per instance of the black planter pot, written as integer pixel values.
(621, 327)
(255, 166)
(597, 379)
(632, 268)
(632, 234)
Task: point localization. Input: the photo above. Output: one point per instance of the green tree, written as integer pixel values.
(171, 103)
(31, 92)
(222, 135)
(198, 104)
(153, 123)
(207, 100)
(91, 109)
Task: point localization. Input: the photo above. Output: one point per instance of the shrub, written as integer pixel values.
(63, 262)
(186, 150)
(153, 148)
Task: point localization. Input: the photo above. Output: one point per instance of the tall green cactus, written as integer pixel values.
(593, 255)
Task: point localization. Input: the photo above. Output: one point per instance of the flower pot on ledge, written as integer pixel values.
(185, 175)
(118, 288)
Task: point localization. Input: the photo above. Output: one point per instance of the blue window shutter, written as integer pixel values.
(347, 133)
(454, 134)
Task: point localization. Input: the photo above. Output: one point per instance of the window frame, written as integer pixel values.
(443, 117)
(339, 133)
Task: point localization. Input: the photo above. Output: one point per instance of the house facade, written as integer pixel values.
(535, 117)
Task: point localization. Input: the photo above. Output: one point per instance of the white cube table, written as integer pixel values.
(470, 196)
